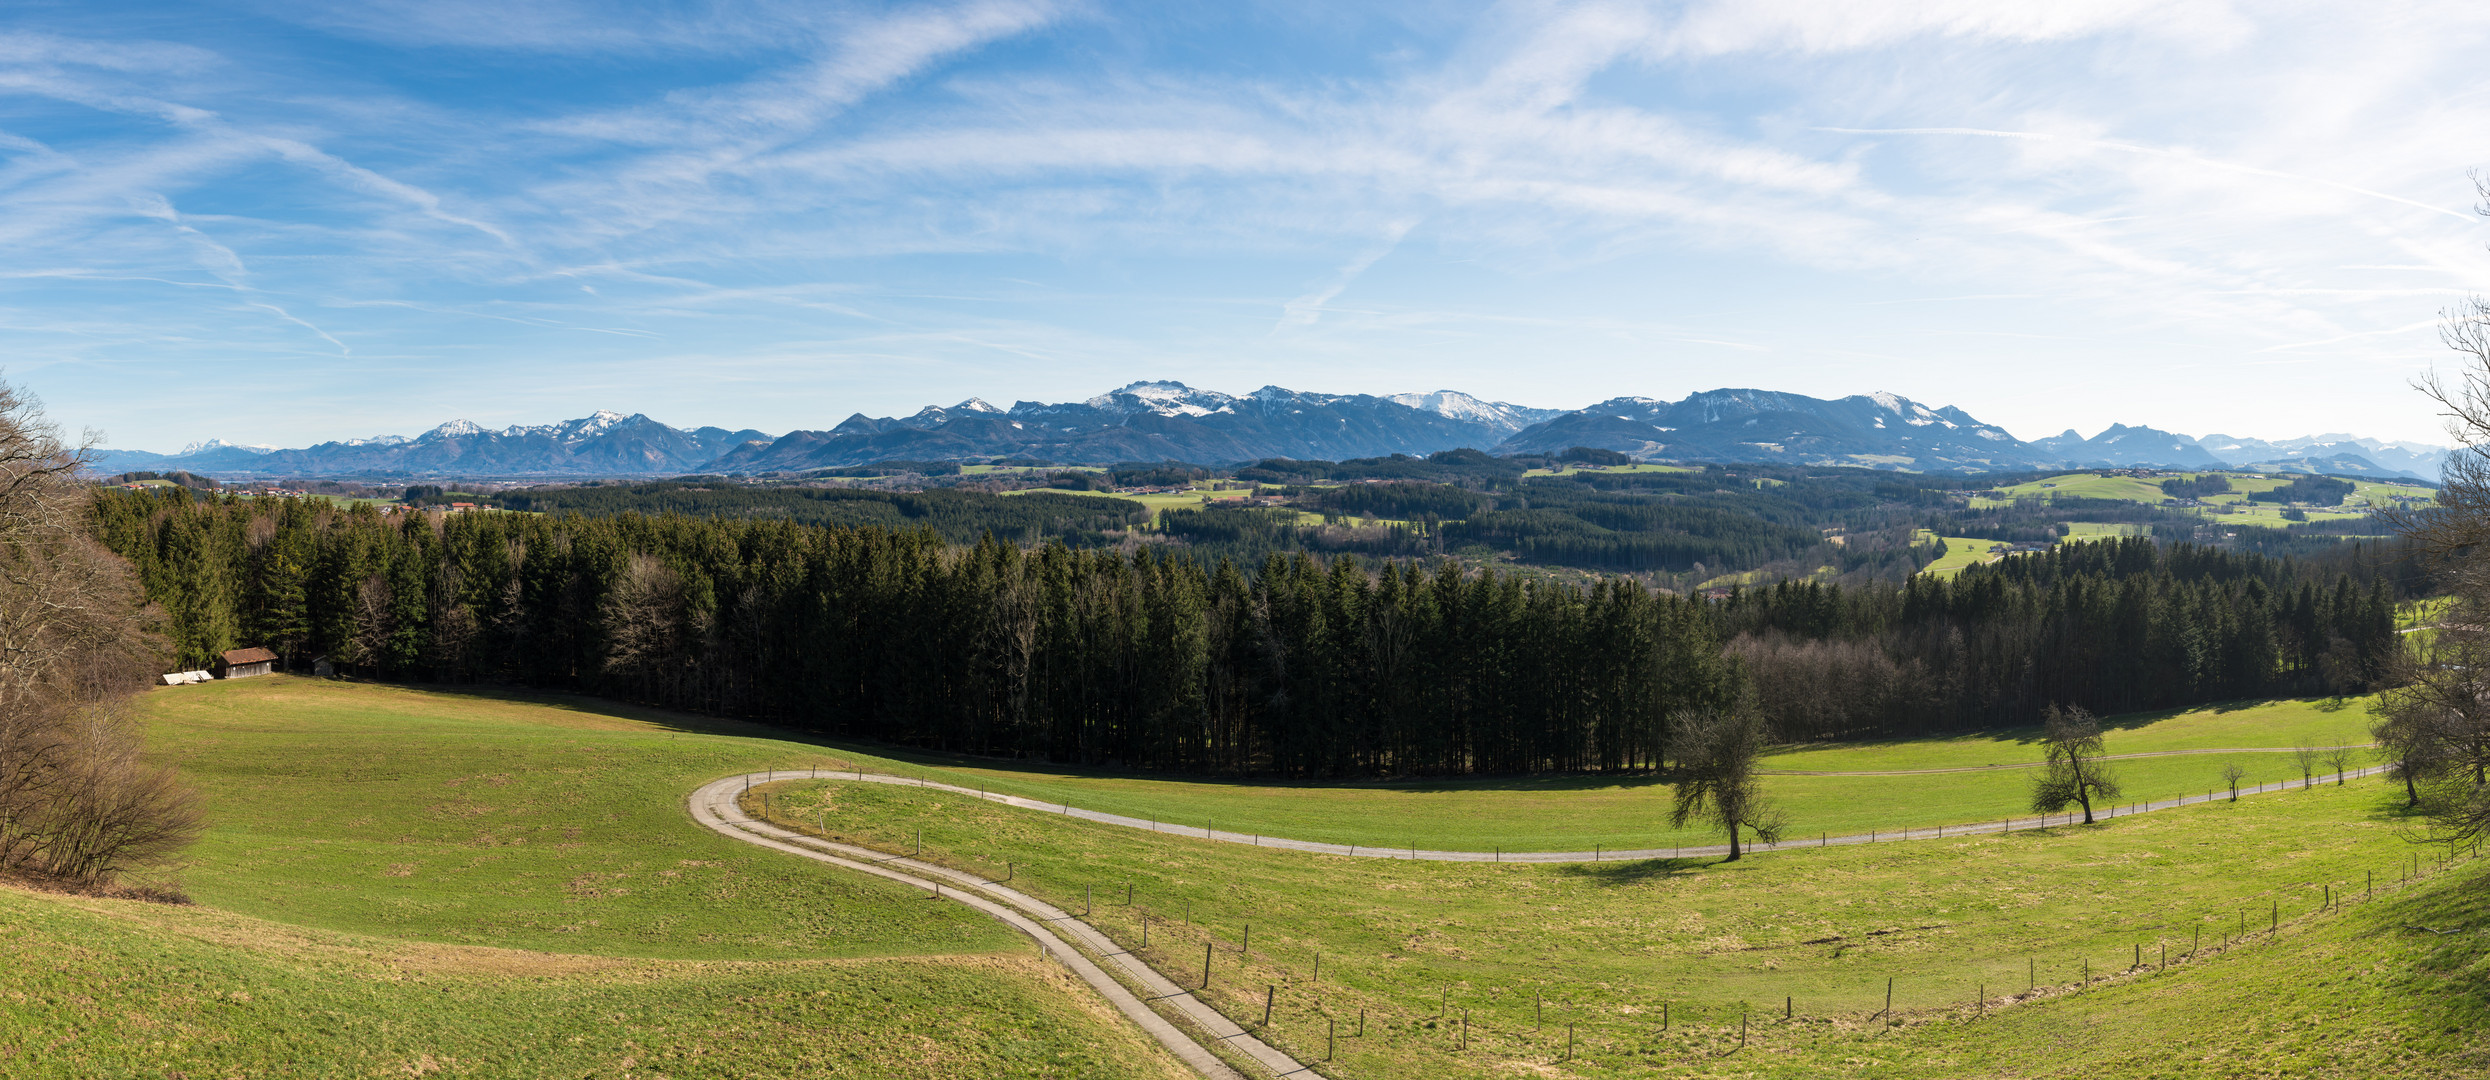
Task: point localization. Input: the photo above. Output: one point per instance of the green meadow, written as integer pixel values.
(1567, 813)
(400, 881)
(1527, 952)
(483, 819)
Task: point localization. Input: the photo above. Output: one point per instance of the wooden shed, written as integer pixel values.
(244, 663)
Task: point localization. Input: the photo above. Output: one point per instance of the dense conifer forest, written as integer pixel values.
(1150, 656)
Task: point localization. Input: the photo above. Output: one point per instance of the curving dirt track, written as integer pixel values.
(715, 807)
(1075, 943)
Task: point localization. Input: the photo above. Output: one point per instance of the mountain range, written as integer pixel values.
(1169, 421)
(599, 444)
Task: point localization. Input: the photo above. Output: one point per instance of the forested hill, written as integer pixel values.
(1302, 667)
(959, 516)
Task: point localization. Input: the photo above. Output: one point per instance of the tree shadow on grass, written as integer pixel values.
(1056, 770)
(663, 719)
(1639, 871)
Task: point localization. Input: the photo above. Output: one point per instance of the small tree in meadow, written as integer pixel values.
(2306, 757)
(2076, 771)
(2232, 774)
(1716, 752)
(2340, 759)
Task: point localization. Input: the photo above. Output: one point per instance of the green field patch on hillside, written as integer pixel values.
(2081, 531)
(2086, 485)
(1961, 552)
(486, 819)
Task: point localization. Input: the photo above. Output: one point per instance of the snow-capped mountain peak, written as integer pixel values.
(451, 430)
(1164, 397)
(1453, 404)
(220, 444)
(572, 431)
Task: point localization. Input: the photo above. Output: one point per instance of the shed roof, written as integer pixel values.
(249, 656)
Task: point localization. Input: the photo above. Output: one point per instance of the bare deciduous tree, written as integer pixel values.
(646, 625)
(1716, 754)
(2075, 771)
(76, 803)
(2340, 759)
(2306, 758)
(2232, 774)
(2435, 726)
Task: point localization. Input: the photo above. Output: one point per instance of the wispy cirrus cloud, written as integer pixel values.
(1037, 193)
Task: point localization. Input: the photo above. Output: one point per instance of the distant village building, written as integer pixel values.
(244, 663)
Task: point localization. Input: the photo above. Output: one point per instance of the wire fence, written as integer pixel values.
(1312, 1000)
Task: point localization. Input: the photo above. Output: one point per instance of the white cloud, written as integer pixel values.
(2162, 184)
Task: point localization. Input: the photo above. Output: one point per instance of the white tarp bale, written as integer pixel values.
(202, 676)
(176, 678)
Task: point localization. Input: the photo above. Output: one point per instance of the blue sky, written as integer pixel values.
(289, 222)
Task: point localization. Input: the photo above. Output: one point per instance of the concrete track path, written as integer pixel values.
(1205, 832)
(2038, 764)
(716, 807)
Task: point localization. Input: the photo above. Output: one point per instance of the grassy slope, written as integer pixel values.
(1580, 812)
(485, 820)
(99, 988)
(1610, 944)
(384, 822)
(2356, 994)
